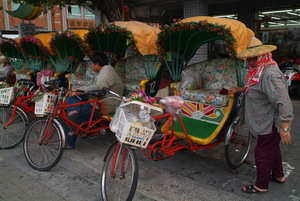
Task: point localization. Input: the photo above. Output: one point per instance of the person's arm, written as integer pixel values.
(103, 79)
(285, 134)
(274, 86)
(236, 90)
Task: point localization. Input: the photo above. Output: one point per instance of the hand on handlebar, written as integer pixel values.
(75, 92)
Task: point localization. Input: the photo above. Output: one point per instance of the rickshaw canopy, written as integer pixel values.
(114, 39)
(36, 50)
(45, 38)
(37, 46)
(80, 32)
(68, 49)
(11, 49)
(69, 44)
(179, 42)
(144, 35)
(240, 32)
(186, 36)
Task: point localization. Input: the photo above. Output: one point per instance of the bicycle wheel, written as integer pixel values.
(239, 144)
(12, 133)
(119, 174)
(43, 144)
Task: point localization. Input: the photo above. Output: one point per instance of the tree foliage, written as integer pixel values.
(112, 9)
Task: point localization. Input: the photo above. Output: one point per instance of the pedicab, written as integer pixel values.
(70, 60)
(51, 141)
(45, 151)
(201, 114)
(16, 108)
(28, 55)
(131, 49)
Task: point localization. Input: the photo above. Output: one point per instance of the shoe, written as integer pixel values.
(252, 189)
(277, 181)
(66, 147)
(70, 133)
(69, 147)
(73, 117)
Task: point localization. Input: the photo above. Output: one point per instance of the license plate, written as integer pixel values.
(289, 82)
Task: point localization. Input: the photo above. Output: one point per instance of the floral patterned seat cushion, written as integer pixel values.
(211, 97)
(131, 71)
(216, 74)
(131, 86)
(83, 76)
(22, 75)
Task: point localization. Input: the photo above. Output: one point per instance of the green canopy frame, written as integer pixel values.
(151, 65)
(36, 54)
(69, 51)
(179, 42)
(12, 51)
(111, 40)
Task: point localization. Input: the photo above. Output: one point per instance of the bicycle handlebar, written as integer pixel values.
(25, 81)
(2, 78)
(111, 92)
(56, 82)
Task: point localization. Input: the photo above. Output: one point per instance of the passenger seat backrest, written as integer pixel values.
(134, 68)
(216, 73)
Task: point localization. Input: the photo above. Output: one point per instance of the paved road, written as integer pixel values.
(202, 175)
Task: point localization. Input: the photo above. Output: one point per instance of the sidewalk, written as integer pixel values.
(187, 176)
(16, 185)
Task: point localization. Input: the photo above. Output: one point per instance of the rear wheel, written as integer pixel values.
(239, 144)
(43, 144)
(12, 133)
(119, 174)
(298, 90)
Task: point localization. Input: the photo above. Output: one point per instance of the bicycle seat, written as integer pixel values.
(25, 81)
(2, 78)
(97, 93)
(57, 82)
(297, 70)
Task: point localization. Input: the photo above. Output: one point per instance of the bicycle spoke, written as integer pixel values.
(239, 145)
(43, 144)
(12, 130)
(119, 175)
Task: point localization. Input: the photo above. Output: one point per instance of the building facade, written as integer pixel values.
(70, 17)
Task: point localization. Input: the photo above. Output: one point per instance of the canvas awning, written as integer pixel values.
(240, 32)
(144, 35)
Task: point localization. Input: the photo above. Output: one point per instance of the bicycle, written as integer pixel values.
(120, 170)
(44, 141)
(16, 110)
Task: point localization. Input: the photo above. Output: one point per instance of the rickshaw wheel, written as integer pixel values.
(157, 153)
(12, 135)
(119, 173)
(43, 144)
(239, 144)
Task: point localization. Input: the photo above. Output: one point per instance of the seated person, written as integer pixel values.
(106, 77)
(6, 70)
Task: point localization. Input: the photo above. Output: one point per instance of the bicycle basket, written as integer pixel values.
(132, 134)
(45, 104)
(6, 95)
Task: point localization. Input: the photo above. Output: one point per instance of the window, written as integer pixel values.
(89, 15)
(74, 12)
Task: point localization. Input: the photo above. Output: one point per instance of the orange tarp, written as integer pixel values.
(144, 34)
(240, 32)
(80, 32)
(45, 38)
